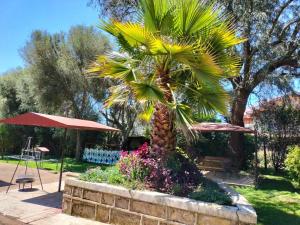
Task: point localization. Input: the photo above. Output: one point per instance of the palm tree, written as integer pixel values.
(171, 61)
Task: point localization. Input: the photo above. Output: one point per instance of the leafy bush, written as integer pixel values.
(132, 166)
(292, 163)
(209, 191)
(144, 169)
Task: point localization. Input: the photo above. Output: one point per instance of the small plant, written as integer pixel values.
(209, 191)
(292, 163)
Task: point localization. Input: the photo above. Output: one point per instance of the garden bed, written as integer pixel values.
(119, 205)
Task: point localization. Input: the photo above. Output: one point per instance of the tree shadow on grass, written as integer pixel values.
(271, 215)
(267, 183)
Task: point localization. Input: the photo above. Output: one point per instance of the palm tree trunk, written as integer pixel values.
(163, 137)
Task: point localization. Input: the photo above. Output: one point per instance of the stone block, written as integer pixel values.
(107, 199)
(92, 195)
(181, 216)
(77, 192)
(67, 205)
(149, 221)
(121, 202)
(120, 217)
(68, 190)
(102, 214)
(83, 209)
(148, 209)
(209, 220)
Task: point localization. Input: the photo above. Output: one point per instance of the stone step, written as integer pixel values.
(211, 168)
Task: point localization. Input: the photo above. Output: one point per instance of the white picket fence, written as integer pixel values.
(101, 156)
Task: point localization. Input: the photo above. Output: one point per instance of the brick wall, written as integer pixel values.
(120, 206)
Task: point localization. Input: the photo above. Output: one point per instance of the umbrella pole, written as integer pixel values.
(62, 159)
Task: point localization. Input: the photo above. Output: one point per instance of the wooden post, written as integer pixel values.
(265, 155)
(62, 159)
(256, 161)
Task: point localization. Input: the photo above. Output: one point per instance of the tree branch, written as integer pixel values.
(279, 13)
(261, 74)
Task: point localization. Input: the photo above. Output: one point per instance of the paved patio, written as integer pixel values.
(7, 170)
(34, 206)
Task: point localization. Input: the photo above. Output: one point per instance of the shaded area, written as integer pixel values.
(274, 183)
(276, 201)
(52, 200)
(3, 183)
(8, 220)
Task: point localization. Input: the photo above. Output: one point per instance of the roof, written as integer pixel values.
(220, 127)
(292, 99)
(45, 120)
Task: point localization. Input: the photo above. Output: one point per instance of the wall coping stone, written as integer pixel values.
(242, 212)
(246, 212)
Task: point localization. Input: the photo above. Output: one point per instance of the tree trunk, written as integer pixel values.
(237, 115)
(163, 137)
(78, 146)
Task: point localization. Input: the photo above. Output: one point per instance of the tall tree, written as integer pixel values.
(178, 47)
(118, 9)
(272, 29)
(58, 64)
(272, 49)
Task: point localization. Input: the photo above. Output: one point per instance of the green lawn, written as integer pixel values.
(70, 165)
(276, 201)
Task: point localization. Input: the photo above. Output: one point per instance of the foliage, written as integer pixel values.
(209, 191)
(292, 163)
(280, 124)
(132, 165)
(118, 9)
(270, 54)
(57, 62)
(275, 201)
(140, 169)
(111, 175)
(174, 49)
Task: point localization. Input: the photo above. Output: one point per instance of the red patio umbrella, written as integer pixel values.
(220, 127)
(44, 120)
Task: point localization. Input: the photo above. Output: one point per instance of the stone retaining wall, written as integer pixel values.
(117, 205)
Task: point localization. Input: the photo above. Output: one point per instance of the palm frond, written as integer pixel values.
(119, 96)
(157, 15)
(183, 118)
(116, 68)
(147, 112)
(194, 16)
(208, 99)
(147, 91)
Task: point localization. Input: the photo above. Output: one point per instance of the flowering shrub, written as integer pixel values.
(144, 166)
(133, 165)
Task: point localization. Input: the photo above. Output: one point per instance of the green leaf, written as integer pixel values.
(147, 92)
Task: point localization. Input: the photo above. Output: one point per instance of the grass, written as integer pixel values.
(276, 200)
(70, 165)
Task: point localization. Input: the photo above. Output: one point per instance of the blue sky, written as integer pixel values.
(18, 18)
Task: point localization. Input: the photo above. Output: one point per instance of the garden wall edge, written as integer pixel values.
(242, 213)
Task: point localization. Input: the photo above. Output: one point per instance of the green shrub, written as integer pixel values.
(98, 175)
(209, 191)
(292, 163)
